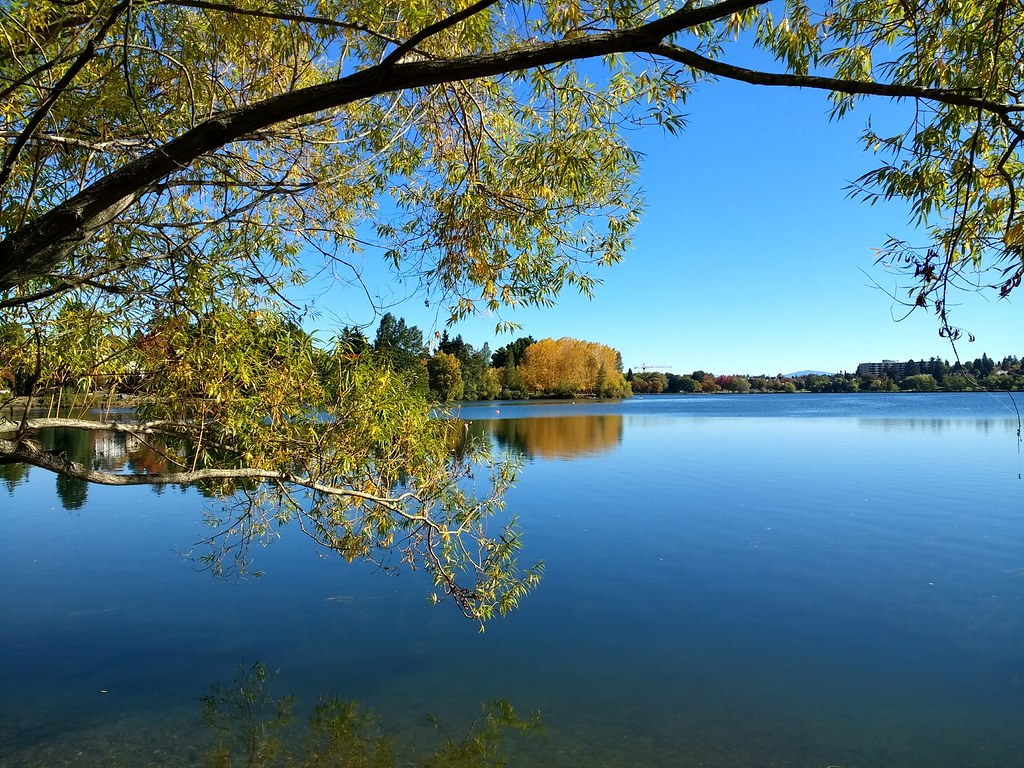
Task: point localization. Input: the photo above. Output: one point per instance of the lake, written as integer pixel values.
(748, 580)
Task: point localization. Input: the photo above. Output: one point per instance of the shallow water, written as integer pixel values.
(807, 580)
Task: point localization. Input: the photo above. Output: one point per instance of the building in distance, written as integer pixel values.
(894, 368)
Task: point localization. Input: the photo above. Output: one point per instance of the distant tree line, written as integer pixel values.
(449, 368)
(983, 373)
(656, 382)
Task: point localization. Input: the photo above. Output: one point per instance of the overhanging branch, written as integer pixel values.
(45, 241)
(131, 428)
(37, 247)
(27, 453)
(853, 87)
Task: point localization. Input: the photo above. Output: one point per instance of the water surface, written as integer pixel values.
(808, 580)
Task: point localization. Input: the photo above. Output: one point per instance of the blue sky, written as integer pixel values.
(750, 257)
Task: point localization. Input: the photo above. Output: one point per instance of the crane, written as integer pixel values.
(644, 368)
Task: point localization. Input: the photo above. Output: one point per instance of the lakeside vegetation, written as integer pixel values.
(527, 368)
(449, 369)
(983, 373)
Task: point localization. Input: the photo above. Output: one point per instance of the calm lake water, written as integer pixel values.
(808, 580)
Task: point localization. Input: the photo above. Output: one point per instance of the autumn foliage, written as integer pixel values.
(573, 367)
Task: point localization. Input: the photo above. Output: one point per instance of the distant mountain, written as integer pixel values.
(800, 374)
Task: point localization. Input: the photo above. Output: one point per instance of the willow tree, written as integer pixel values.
(171, 166)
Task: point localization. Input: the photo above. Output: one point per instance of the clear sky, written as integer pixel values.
(750, 257)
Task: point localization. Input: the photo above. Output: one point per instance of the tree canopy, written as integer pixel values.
(570, 367)
(171, 169)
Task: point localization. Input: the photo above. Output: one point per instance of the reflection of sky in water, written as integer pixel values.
(802, 405)
(840, 589)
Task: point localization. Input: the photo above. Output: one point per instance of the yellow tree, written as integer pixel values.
(570, 366)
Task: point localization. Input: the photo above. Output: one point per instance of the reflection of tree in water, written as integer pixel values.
(97, 449)
(77, 445)
(116, 451)
(72, 492)
(559, 437)
(13, 474)
(252, 727)
(562, 437)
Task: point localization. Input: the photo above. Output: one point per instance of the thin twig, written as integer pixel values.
(47, 103)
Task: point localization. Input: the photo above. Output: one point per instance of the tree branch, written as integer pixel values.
(432, 29)
(139, 428)
(16, 84)
(756, 77)
(42, 243)
(47, 104)
(66, 284)
(77, 143)
(45, 35)
(26, 453)
(318, 20)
